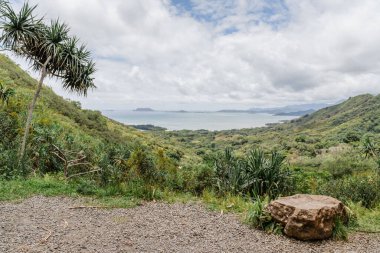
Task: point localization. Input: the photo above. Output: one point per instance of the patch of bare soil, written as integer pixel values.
(42, 224)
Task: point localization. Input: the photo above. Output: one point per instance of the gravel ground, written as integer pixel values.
(42, 224)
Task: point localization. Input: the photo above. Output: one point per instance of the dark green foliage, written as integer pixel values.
(201, 179)
(369, 147)
(43, 139)
(258, 217)
(86, 187)
(266, 175)
(142, 164)
(6, 93)
(255, 175)
(340, 231)
(229, 173)
(351, 136)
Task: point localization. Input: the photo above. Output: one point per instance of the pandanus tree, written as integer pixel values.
(49, 49)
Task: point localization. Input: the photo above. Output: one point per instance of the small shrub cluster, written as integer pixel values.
(363, 189)
(258, 217)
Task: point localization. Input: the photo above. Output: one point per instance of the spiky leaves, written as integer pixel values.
(19, 30)
(27, 36)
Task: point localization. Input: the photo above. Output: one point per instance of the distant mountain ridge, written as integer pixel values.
(290, 108)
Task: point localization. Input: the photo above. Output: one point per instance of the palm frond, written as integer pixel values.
(47, 47)
(21, 30)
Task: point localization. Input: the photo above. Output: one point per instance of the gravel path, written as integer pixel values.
(42, 224)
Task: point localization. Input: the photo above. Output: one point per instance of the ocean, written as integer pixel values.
(195, 120)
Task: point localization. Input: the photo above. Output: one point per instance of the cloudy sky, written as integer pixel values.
(214, 54)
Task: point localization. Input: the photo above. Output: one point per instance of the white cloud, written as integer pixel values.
(223, 54)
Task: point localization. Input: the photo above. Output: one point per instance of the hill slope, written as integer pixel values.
(346, 122)
(62, 123)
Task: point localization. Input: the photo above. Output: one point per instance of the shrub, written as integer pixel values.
(197, 178)
(142, 164)
(266, 175)
(351, 137)
(229, 173)
(258, 217)
(340, 230)
(364, 189)
(346, 163)
(256, 175)
(86, 187)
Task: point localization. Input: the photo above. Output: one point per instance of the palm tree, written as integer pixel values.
(6, 93)
(49, 49)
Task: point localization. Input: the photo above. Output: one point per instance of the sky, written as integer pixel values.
(223, 54)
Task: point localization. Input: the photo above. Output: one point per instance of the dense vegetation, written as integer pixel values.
(80, 152)
(333, 151)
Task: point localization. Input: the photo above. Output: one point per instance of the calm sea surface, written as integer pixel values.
(194, 120)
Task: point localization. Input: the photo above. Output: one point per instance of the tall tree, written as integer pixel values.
(49, 49)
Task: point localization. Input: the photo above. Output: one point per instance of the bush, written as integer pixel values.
(266, 175)
(86, 187)
(340, 231)
(363, 189)
(258, 217)
(142, 164)
(196, 179)
(256, 175)
(351, 137)
(229, 173)
(346, 163)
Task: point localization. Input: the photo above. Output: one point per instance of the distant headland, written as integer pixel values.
(143, 109)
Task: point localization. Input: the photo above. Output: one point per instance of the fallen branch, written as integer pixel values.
(44, 240)
(83, 207)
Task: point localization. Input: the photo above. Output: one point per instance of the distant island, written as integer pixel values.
(233, 111)
(143, 109)
(289, 110)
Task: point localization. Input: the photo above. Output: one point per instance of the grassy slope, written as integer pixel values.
(358, 113)
(86, 123)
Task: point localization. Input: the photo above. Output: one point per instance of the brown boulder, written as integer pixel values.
(307, 217)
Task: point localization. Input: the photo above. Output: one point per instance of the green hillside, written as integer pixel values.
(62, 123)
(347, 122)
(73, 151)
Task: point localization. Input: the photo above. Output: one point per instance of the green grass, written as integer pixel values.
(24, 188)
(340, 231)
(226, 204)
(52, 186)
(368, 220)
(126, 195)
(133, 194)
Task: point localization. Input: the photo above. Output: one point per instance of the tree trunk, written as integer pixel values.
(30, 111)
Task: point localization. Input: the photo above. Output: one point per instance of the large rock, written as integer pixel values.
(307, 217)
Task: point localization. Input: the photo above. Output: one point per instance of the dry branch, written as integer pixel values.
(46, 238)
(83, 207)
